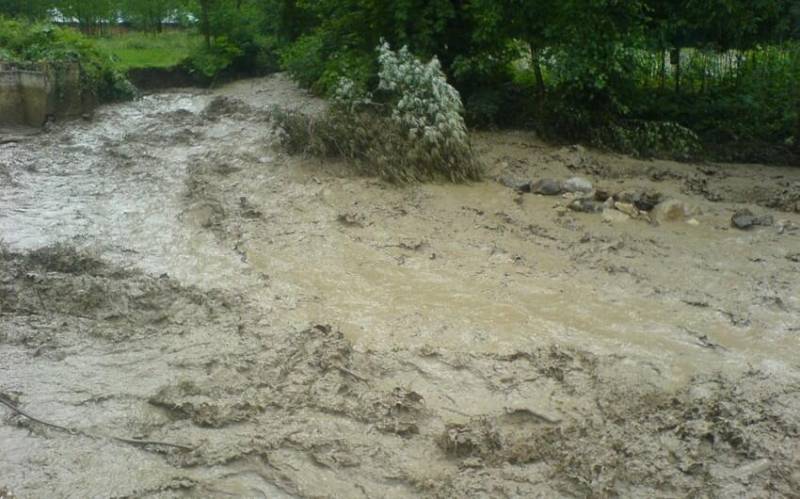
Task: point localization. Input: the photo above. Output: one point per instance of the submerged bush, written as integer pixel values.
(414, 132)
(429, 111)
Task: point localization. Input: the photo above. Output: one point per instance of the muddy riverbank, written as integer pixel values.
(169, 274)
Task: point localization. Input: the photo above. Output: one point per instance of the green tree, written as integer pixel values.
(30, 9)
(149, 14)
(91, 14)
(498, 22)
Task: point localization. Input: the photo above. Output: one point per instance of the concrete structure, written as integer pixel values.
(30, 94)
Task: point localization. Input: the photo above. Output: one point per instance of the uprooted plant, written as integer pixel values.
(412, 131)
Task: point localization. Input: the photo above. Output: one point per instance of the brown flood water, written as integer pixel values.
(170, 274)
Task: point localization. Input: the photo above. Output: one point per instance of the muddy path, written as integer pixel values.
(169, 274)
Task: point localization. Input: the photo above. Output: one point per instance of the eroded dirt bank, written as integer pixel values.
(168, 274)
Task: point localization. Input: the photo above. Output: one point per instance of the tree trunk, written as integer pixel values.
(537, 70)
(205, 22)
(675, 59)
(663, 75)
(704, 82)
(797, 128)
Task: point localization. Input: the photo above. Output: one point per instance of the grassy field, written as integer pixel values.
(147, 50)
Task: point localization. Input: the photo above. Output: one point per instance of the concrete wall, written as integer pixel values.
(29, 95)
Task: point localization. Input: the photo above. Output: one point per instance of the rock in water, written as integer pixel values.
(586, 205)
(578, 184)
(671, 210)
(601, 195)
(613, 216)
(627, 209)
(648, 200)
(627, 196)
(546, 187)
(516, 184)
(643, 200)
(743, 219)
(746, 219)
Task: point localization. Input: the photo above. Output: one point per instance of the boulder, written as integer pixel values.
(547, 187)
(601, 195)
(627, 209)
(648, 200)
(586, 205)
(746, 219)
(578, 184)
(516, 184)
(643, 200)
(627, 196)
(614, 216)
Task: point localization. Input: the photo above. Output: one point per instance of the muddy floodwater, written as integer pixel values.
(211, 317)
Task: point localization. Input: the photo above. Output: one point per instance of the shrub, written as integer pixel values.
(428, 111)
(354, 66)
(416, 134)
(211, 61)
(32, 43)
(649, 139)
(304, 59)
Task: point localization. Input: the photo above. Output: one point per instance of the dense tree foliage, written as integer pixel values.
(727, 69)
(150, 15)
(29, 9)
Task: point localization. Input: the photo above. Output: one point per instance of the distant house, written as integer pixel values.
(119, 23)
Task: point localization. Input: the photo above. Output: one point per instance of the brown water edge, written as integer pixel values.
(491, 343)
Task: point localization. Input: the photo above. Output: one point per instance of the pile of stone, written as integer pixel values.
(647, 205)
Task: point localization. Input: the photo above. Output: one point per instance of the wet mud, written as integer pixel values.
(168, 274)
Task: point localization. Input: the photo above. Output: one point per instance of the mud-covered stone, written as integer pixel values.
(578, 184)
(586, 205)
(614, 216)
(643, 200)
(627, 209)
(547, 187)
(517, 184)
(601, 195)
(746, 219)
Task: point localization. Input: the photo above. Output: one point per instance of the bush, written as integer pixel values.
(27, 43)
(314, 66)
(354, 66)
(416, 134)
(304, 59)
(649, 139)
(211, 61)
(428, 111)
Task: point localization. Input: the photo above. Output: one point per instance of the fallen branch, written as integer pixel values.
(73, 431)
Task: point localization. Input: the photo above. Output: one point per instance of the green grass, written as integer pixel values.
(146, 50)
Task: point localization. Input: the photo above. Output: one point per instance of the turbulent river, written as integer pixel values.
(170, 276)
